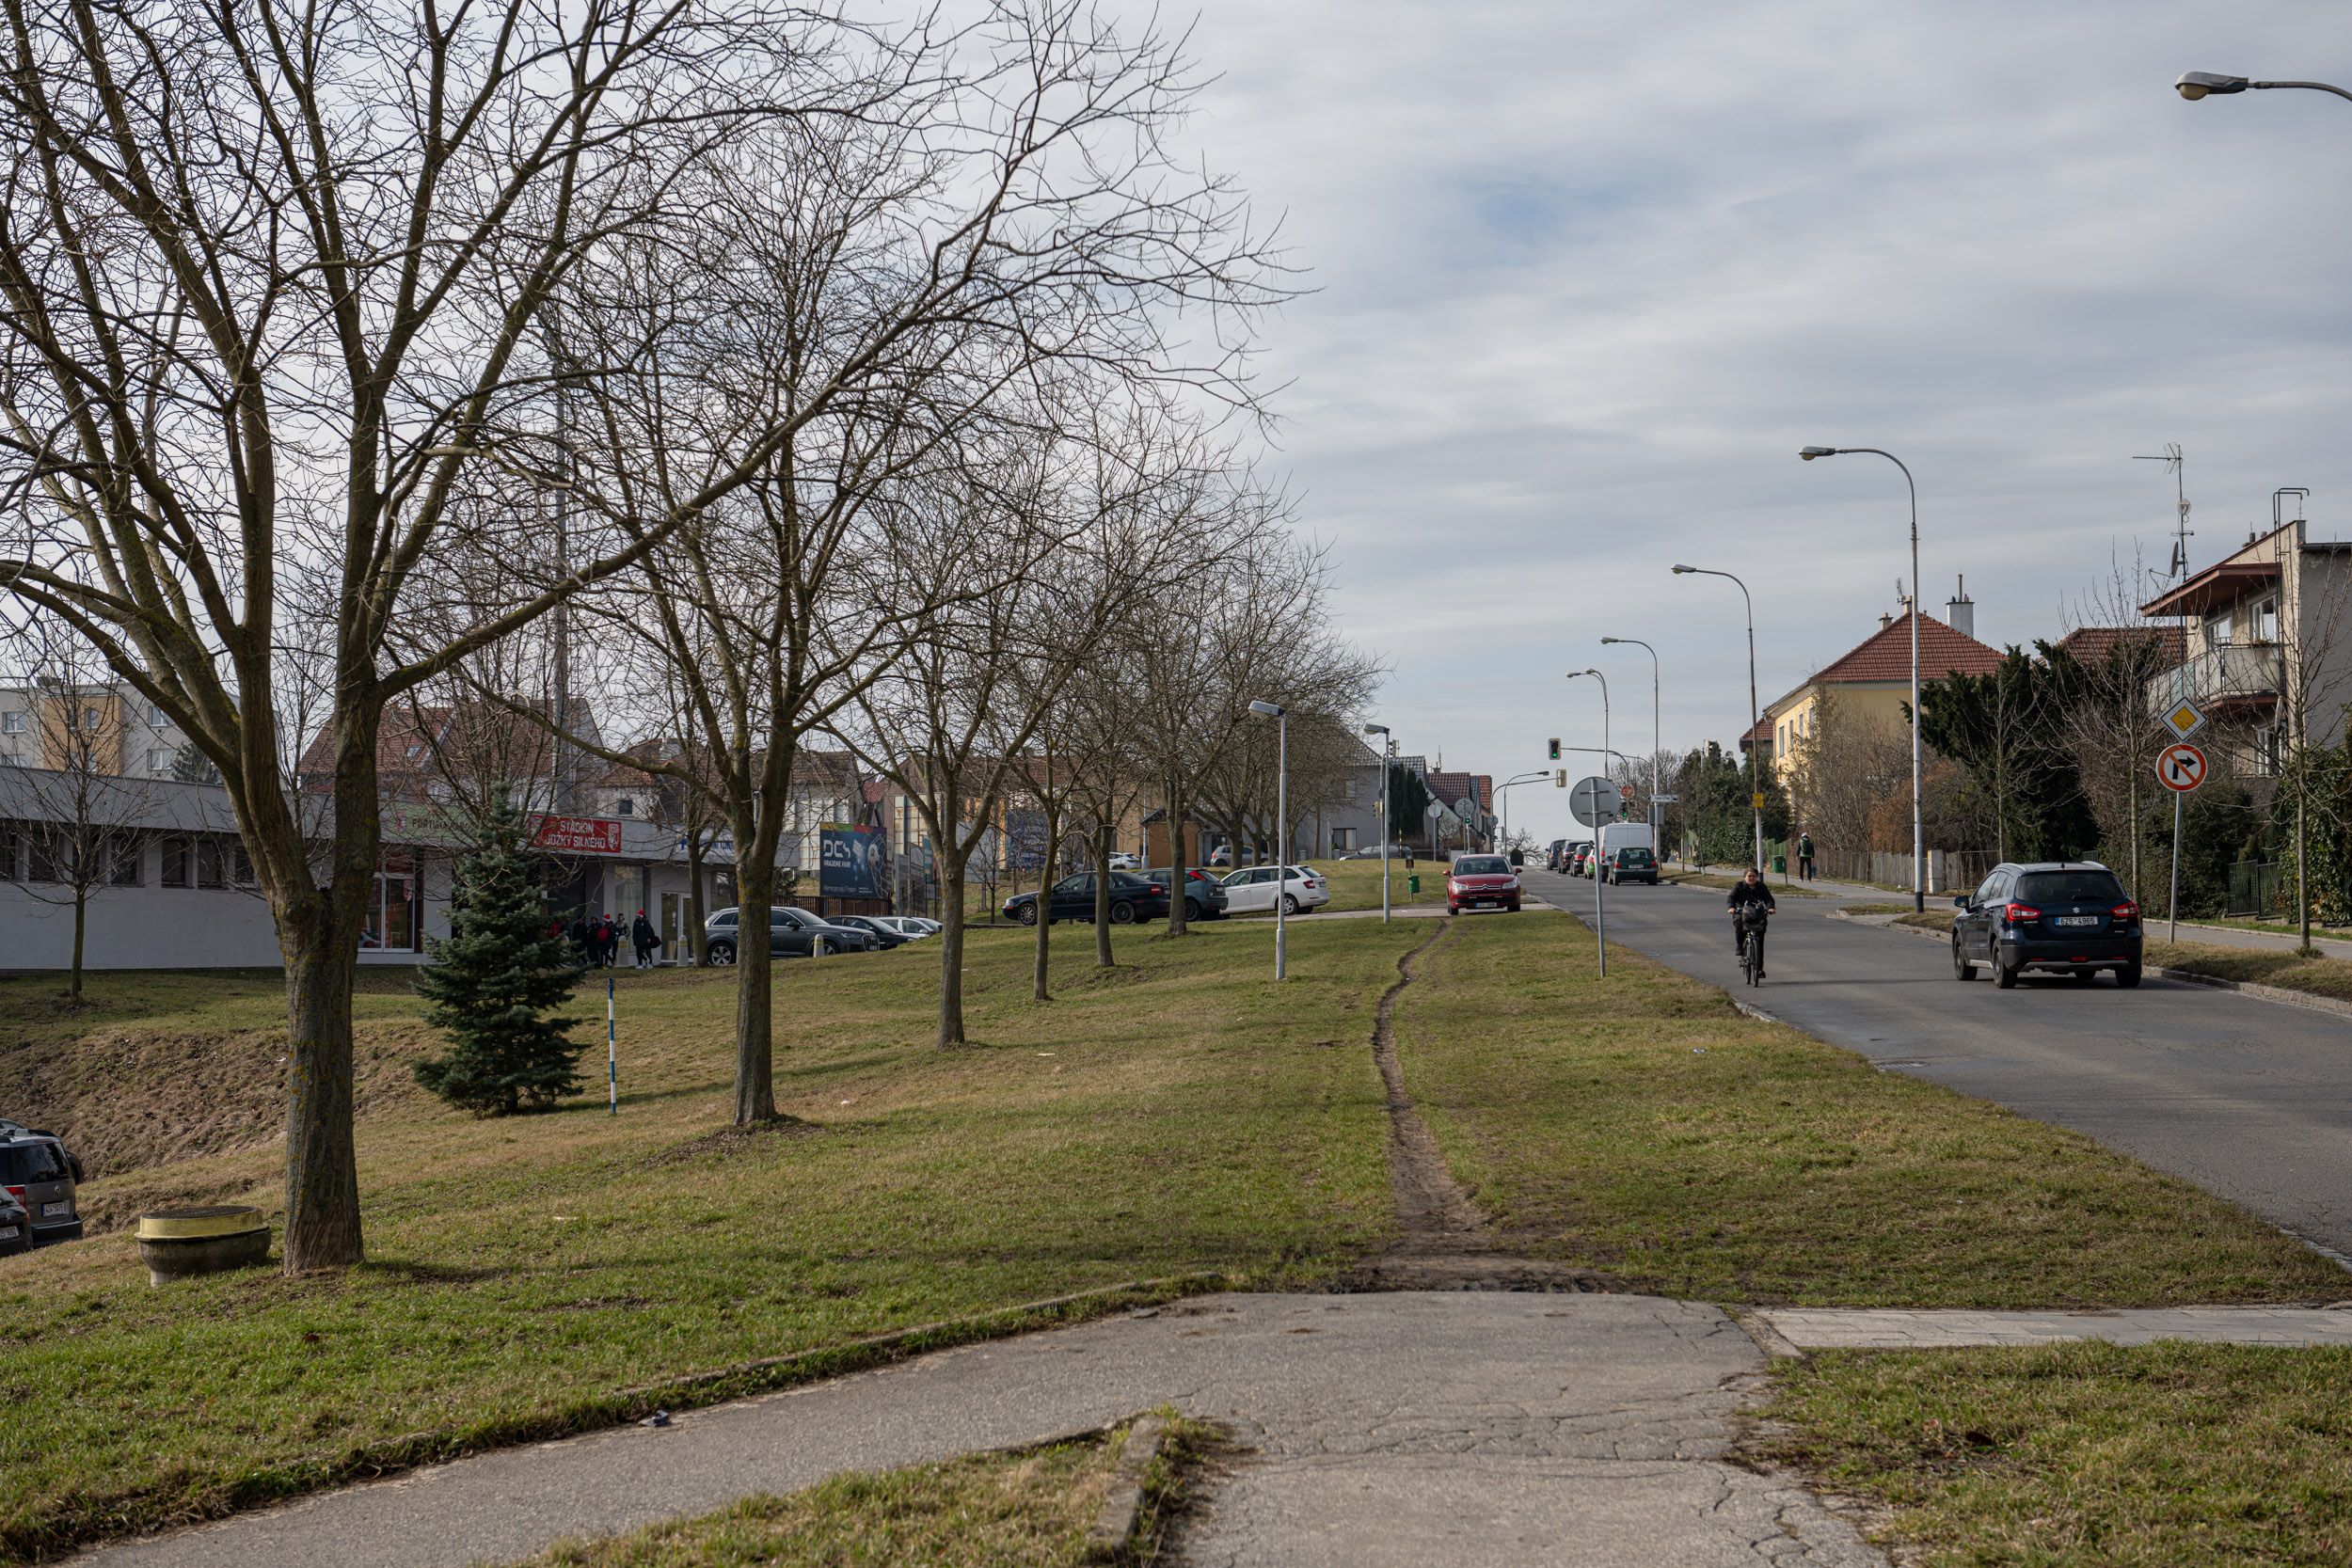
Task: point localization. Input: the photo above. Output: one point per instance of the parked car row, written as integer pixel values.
(794, 933)
(1625, 853)
(1145, 895)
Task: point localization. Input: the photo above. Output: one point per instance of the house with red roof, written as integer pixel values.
(1872, 680)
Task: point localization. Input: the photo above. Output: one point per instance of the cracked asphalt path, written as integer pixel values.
(1406, 1428)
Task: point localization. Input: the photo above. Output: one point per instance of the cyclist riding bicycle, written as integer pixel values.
(1749, 890)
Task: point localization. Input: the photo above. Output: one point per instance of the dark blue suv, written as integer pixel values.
(2065, 917)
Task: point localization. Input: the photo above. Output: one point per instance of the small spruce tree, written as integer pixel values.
(495, 978)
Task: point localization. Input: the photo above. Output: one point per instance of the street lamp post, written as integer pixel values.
(1281, 827)
(1387, 744)
(1600, 829)
(1657, 742)
(1756, 759)
(1501, 793)
(1919, 839)
(2195, 85)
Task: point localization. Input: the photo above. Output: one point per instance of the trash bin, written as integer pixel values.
(1780, 864)
(1412, 884)
(177, 1242)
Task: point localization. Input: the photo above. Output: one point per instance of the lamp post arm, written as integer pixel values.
(1919, 833)
(2315, 86)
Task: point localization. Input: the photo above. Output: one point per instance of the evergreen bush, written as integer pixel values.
(495, 978)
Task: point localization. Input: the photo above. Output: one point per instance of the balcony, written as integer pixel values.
(2237, 679)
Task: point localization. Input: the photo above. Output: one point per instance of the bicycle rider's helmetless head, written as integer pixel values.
(1751, 877)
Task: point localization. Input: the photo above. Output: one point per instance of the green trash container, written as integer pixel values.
(1780, 864)
(1412, 884)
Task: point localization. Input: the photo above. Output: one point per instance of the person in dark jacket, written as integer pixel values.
(1750, 889)
(641, 936)
(581, 953)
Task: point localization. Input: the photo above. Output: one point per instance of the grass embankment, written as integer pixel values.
(1640, 1127)
(2071, 1456)
(1176, 1114)
(1029, 1508)
(1874, 909)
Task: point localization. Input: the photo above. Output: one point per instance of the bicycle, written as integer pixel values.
(1752, 920)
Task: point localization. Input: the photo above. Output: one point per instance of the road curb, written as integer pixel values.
(1122, 1508)
(1775, 1344)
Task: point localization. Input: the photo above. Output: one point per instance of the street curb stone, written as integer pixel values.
(1122, 1508)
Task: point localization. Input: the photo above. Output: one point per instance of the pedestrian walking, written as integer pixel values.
(1804, 857)
(642, 937)
(608, 943)
(582, 953)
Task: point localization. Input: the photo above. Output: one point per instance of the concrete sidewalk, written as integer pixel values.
(1854, 1328)
(1464, 1428)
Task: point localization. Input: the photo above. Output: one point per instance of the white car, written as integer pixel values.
(908, 924)
(1253, 889)
(1123, 861)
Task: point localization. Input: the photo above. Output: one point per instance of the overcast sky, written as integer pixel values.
(1589, 275)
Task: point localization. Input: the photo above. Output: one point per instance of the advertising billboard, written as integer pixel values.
(587, 835)
(853, 860)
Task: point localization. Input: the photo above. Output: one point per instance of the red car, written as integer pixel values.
(1480, 882)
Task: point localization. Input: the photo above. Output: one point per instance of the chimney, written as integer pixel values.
(1961, 613)
(1885, 619)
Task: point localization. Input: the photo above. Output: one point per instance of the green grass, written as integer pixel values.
(1028, 1508)
(1874, 909)
(2267, 966)
(1929, 920)
(2085, 1455)
(1177, 1114)
(1640, 1127)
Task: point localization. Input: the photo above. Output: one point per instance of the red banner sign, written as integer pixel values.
(587, 835)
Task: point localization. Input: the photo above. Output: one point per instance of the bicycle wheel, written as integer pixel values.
(1747, 958)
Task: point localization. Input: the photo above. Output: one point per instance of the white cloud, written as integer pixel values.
(1588, 276)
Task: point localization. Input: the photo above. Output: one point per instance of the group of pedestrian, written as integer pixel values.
(597, 944)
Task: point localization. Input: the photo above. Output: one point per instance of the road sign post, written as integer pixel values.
(1595, 802)
(2180, 768)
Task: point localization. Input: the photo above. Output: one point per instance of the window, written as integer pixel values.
(11, 723)
(392, 926)
(8, 837)
(2218, 630)
(155, 717)
(2267, 621)
(158, 760)
(624, 806)
(128, 864)
(210, 863)
(90, 718)
(2069, 887)
(175, 863)
(1342, 840)
(1355, 787)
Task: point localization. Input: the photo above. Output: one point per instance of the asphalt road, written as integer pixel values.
(2248, 1098)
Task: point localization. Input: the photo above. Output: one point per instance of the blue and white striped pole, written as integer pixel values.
(611, 1049)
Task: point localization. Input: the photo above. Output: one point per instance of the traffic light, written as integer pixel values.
(1555, 748)
(1560, 778)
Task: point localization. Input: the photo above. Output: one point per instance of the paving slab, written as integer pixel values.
(1826, 1328)
(1414, 1427)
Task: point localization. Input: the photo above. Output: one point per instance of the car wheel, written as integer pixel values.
(821, 948)
(1122, 913)
(722, 952)
(2128, 976)
(1962, 968)
(2003, 975)
(1289, 905)
(1192, 909)
(1029, 914)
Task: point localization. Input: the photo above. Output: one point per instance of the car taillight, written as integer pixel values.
(2125, 911)
(2021, 911)
(17, 1193)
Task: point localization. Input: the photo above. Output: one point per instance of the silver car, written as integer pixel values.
(792, 934)
(37, 1172)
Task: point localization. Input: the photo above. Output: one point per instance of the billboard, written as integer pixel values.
(853, 860)
(1025, 840)
(587, 835)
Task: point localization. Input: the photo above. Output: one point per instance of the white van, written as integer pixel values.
(1628, 853)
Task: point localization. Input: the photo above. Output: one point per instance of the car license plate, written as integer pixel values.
(1484, 904)
(56, 1210)
(2079, 920)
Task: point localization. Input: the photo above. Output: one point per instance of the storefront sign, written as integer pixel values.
(582, 835)
(853, 860)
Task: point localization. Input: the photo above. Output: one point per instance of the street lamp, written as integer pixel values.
(1281, 826)
(1387, 746)
(1919, 839)
(2195, 85)
(1501, 793)
(1657, 744)
(1600, 831)
(1755, 774)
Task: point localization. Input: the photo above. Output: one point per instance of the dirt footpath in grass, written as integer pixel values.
(1639, 1127)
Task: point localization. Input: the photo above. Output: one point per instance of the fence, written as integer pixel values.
(2260, 889)
(1949, 870)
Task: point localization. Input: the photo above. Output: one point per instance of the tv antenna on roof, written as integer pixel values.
(2173, 462)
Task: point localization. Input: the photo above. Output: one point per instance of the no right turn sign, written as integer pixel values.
(2181, 769)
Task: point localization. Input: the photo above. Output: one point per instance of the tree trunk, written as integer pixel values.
(1103, 897)
(755, 989)
(322, 1158)
(1176, 867)
(81, 911)
(1038, 991)
(950, 869)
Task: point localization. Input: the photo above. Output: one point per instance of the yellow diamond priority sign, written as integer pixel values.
(2184, 719)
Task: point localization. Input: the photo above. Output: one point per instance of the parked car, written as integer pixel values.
(792, 934)
(1555, 854)
(1254, 889)
(888, 935)
(2062, 917)
(1480, 882)
(1124, 860)
(1221, 855)
(1632, 864)
(911, 926)
(1580, 859)
(1133, 898)
(1204, 896)
(1377, 852)
(16, 1227)
(36, 1172)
